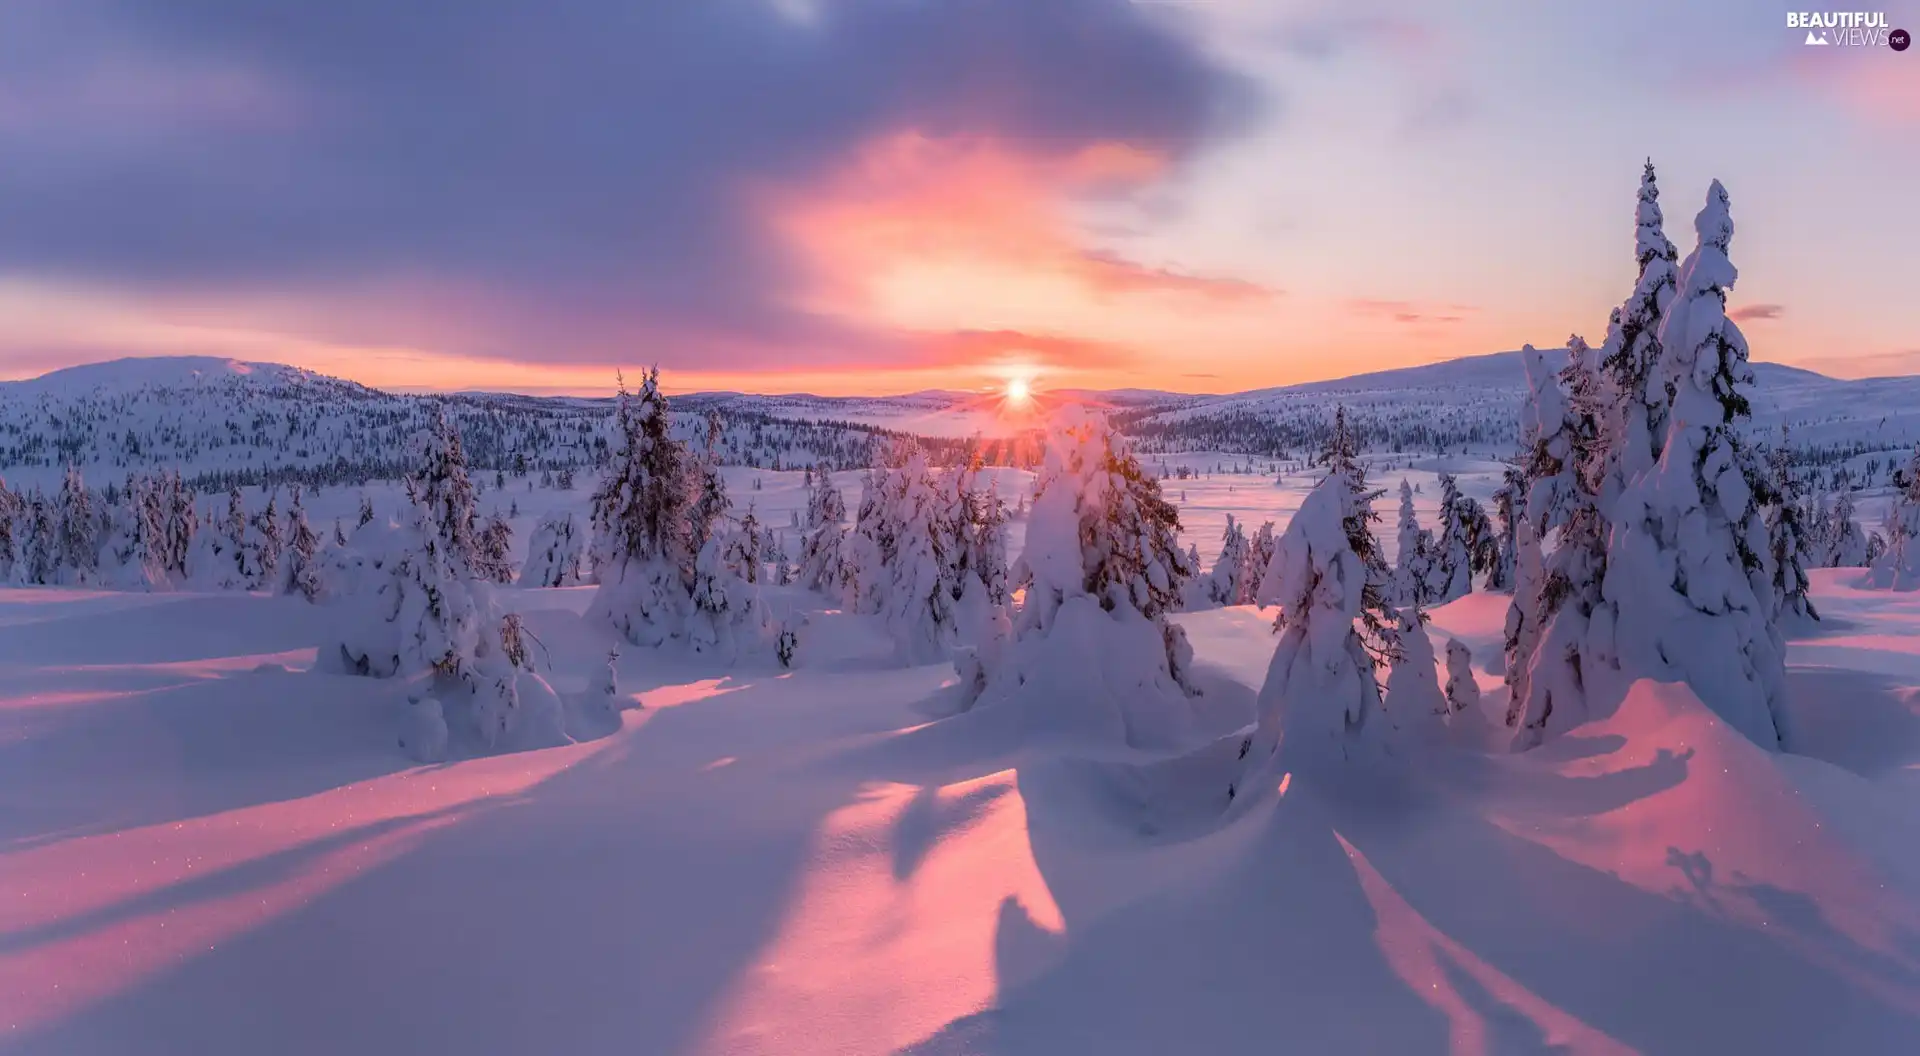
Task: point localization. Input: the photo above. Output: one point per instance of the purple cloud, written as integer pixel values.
(552, 180)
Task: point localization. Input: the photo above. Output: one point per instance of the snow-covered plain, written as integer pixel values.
(206, 848)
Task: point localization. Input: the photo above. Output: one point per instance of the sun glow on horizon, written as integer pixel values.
(1019, 391)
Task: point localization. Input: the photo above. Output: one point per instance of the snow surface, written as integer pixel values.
(209, 849)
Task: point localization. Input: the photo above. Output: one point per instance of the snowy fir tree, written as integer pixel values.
(12, 510)
(302, 553)
(974, 553)
(181, 526)
(1092, 654)
(782, 565)
(79, 537)
(265, 543)
(1260, 550)
(921, 581)
(1412, 569)
(1509, 505)
(1413, 697)
(1848, 548)
(494, 550)
(1897, 566)
(555, 553)
(1462, 691)
(40, 545)
(135, 554)
(1523, 619)
(642, 548)
(425, 615)
(1685, 573)
(820, 557)
(1229, 583)
(1633, 351)
(871, 548)
(1450, 572)
(1322, 688)
(1575, 624)
(1786, 559)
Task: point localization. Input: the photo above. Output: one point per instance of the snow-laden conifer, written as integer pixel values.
(1322, 689)
(555, 552)
(1633, 351)
(642, 551)
(1092, 653)
(1412, 568)
(302, 553)
(1897, 566)
(418, 610)
(1686, 568)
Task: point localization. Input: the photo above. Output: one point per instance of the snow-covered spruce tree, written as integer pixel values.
(975, 553)
(922, 581)
(265, 546)
(79, 547)
(871, 550)
(1509, 505)
(1897, 566)
(642, 547)
(727, 616)
(1228, 583)
(1412, 568)
(134, 556)
(554, 553)
(746, 550)
(1816, 518)
(41, 542)
(12, 509)
(1322, 688)
(1450, 573)
(180, 526)
(303, 552)
(1462, 691)
(1576, 623)
(820, 556)
(1523, 624)
(1849, 546)
(425, 614)
(1786, 534)
(1260, 550)
(1413, 695)
(1685, 569)
(782, 564)
(494, 547)
(1092, 654)
(1631, 356)
(215, 561)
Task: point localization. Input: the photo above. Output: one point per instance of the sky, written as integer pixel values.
(876, 196)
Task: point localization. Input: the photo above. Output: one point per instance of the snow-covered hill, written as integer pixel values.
(229, 421)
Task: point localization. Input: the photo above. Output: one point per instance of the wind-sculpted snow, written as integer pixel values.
(210, 850)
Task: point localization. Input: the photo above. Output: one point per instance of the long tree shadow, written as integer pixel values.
(611, 908)
(1660, 973)
(1863, 722)
(190, 749)
(1275, 950)
(1282, 913)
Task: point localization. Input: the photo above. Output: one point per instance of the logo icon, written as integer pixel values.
(1821, 39)
(1899, 40)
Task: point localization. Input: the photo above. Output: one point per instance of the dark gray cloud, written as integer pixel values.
(572, 168)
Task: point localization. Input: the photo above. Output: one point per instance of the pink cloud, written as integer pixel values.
(1751, 312)
(1410, 313)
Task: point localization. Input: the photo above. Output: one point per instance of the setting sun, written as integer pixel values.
(1018, 391)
